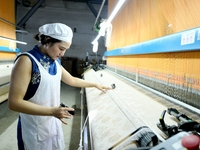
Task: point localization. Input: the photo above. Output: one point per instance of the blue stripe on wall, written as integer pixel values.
(182, 41)
(7, 49)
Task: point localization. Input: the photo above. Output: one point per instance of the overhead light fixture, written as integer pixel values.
(119, 5)
(12, 40)
(95, 47)
(109, 20)
(95, 40)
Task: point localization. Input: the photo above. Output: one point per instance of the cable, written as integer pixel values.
(80, 143)
(82, 128)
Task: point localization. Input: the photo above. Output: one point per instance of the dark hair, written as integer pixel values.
(46, 39)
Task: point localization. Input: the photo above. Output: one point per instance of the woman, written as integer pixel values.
(35, 90)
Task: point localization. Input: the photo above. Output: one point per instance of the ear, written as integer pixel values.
(47, 44)
(47, 40)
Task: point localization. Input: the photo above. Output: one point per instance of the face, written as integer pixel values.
(56, 50)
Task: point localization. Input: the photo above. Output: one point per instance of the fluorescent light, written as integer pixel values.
(116, 9)
(95, 40)
(119, 4)
(12, 40)
(95, 47)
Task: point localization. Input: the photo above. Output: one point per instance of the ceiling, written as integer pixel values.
(35, 4)
(90, 1)
(30, 3)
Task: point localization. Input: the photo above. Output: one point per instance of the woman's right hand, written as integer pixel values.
(62, 113)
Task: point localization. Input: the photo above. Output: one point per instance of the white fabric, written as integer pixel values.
(58, 31)
(44, 132)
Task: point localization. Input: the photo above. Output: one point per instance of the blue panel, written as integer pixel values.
(7, 49)
(169, 43)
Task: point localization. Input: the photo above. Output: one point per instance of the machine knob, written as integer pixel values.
(191, 142)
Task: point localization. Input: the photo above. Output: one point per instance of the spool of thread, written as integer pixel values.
(191, 142)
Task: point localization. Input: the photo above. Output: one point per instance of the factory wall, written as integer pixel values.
(7, 18)
(7, 49)
(78, 16)
(175, 73)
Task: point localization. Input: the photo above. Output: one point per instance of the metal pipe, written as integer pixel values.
(10, 23)
(30, 13)
(102, 4)
(81, 126)
(92, 9)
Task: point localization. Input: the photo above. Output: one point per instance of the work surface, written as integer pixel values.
(114, 115)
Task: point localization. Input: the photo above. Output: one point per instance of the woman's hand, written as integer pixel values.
(62, 113)
(103, 88)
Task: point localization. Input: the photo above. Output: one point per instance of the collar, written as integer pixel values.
(42, 56)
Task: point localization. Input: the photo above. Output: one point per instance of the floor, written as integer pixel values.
(8, 121)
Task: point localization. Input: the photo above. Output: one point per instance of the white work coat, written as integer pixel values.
(44, 132)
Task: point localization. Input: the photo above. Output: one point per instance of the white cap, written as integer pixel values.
(58, 31)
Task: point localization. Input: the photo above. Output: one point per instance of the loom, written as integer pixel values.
(126, 117)
(5, 69)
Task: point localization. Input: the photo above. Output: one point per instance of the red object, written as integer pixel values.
(191, 142)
